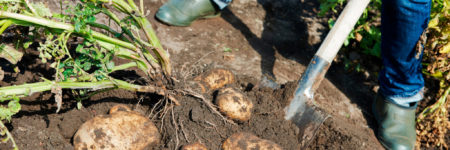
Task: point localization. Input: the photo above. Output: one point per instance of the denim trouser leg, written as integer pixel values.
(402, 23)
(222, 3)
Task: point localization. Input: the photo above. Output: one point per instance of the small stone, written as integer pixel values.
(228, 57)
(375, 88)
(366, 75)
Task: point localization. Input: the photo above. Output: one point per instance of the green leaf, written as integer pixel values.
(87, 66)
(79, 105)
(437, 74)
(110, 65)
(27, 44)
(79, 48)
(91, 19)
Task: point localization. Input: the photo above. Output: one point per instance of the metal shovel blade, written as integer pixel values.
(302, 111)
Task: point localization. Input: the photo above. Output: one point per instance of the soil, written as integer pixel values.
(264, 40)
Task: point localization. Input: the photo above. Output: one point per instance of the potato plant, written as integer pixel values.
(80, 49)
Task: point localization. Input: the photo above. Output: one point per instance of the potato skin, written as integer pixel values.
(121, 130)
(119, 107)
(194, 146)
(247, 141)
(215, 79)
(234, 104)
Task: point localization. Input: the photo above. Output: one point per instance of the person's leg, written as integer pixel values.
(184, 12)
(402, 23)
(401, 81)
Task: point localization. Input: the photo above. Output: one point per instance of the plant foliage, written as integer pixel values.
(80, 49)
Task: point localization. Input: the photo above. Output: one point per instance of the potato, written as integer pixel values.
(195, 146)
(234, 104)
(247, 141)
(119, 107)
(122, 129)
(215, 79)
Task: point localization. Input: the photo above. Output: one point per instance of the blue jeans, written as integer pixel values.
(402, 23)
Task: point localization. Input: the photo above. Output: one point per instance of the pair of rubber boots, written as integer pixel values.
(396, 124)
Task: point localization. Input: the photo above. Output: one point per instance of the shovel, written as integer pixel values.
(302, 110)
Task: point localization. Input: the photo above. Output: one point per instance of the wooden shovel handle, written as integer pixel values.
(341, 29)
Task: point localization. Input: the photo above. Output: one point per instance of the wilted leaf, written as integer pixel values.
(9, 53)
(434, 22)
(445, 49)
(41, 9)
(58, 97)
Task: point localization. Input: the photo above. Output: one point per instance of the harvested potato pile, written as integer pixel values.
(247, 141)
(122, 129)
(234, 104)
(195, 146)
(214, 79)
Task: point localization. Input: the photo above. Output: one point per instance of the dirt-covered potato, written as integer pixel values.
(234, 104)
(119, 107)
(247, 141)
(122, 129)
(194, 146)
(215, 79)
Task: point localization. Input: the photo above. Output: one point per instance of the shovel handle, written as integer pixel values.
(341, 29)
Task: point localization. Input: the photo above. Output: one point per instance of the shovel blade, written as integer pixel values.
(308, 123)
(302, 111)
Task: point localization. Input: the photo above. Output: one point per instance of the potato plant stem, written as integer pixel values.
(124, 66)
(8, 135)
(64, 26)
(132, 9)
(28, 89)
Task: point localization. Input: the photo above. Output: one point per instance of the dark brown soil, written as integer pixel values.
(269, 39)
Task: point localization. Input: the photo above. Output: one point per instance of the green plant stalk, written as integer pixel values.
(150, 58)
(2, 22)
(432, 108)
(5, 25)
(159, 51)
(104, 27)
(126, 54)
(64, 26)
(103, 39)
(124, 66)
(149, 32)
(8, 135)
(28, 89)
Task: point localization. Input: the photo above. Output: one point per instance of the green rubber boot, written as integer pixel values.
(396, 124)
(184, 12)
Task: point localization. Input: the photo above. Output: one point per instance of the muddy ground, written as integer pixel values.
(257, 40)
